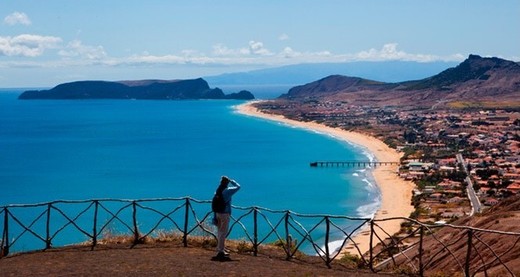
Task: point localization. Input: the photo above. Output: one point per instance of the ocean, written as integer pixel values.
(86, 149)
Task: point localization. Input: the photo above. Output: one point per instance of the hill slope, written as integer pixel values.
(475, 80)
(486, 245)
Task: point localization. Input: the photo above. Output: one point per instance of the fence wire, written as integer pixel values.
(422, 249)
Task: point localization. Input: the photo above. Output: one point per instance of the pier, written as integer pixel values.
(349, 163)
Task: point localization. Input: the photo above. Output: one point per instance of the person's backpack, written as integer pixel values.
(218, 205)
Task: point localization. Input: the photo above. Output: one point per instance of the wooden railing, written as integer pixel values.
(58, 223)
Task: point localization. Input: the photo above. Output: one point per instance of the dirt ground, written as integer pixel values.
(162, 260)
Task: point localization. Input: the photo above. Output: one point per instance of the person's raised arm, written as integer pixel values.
(236, 185)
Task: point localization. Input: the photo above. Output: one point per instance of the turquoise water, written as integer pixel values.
(127, 149)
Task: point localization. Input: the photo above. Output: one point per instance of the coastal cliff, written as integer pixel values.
(145, 89)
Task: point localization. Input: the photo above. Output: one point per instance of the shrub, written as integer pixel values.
(244, 247)
(352, 261)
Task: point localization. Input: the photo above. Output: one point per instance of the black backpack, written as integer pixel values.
(218, 205)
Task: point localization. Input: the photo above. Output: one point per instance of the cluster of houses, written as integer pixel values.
(489, 141)
(495, 178)
(441, 199)
(490, 144)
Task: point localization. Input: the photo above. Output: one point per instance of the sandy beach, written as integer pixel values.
(396, 193)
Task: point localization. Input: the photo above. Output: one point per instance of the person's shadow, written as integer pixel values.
(222, 259)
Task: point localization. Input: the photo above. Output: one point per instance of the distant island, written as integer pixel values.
(141, 90)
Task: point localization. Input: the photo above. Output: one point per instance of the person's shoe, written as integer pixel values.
(222, 255)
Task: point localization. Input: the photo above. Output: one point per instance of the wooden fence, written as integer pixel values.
(62, 222)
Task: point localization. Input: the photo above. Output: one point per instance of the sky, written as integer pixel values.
(44, 43)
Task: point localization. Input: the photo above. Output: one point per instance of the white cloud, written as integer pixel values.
(283, 37)
(188, 52)
(253, 48)
(257, 53)
(76, 48)
(27, 45)
(75, 53)
(222, 50)
(459, 57)
(257, 47)
(288, 52)
(17, 18)
(193, 58)
(151, 59)
(389, 52)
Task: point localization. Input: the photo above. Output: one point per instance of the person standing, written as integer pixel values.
(226, 189)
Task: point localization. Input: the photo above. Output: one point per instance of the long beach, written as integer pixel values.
(396, 193)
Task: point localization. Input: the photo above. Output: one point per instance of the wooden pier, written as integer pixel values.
(350, 164)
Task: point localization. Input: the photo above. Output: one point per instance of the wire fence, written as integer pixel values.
(421, 249)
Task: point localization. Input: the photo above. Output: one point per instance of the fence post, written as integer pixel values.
(327, 233)
(186, 213)
(371, 261)
(287, 235)
(134, 219)
(48, 227)
(5, 236)
(468, 253)
(94, 229)
(421, 235)
(255, 231)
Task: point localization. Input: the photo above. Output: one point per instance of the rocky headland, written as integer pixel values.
(139, 90)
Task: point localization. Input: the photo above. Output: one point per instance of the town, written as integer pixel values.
(461, 160)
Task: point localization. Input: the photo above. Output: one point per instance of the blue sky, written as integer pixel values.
(44, 43)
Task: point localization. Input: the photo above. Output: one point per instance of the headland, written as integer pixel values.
(396, 193)
(137, 90)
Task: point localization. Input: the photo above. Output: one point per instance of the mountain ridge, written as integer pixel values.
(476, 79)
(385, 71)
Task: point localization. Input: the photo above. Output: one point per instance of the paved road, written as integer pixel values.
(476, 207)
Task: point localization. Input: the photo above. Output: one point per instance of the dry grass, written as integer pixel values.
(205, 241)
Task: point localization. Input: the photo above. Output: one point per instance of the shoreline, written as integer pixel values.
(396, 193)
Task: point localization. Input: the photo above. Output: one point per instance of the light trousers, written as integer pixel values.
(222, 225)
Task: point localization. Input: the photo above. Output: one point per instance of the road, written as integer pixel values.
(476, 207)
